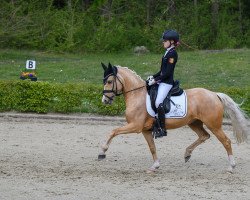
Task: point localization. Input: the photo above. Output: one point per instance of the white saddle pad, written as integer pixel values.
(179, 110)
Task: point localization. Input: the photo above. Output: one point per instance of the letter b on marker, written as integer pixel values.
(30, 64)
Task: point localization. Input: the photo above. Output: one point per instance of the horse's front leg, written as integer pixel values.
(129, 128)
(151, 144)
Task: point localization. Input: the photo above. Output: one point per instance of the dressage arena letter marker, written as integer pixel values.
(30, 64)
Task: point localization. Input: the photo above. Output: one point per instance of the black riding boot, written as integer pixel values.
(160, 123)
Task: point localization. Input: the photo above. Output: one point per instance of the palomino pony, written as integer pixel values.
(204, 108)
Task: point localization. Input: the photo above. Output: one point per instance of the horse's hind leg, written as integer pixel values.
(197, 127)
(219, 133)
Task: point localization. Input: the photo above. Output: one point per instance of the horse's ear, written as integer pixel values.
(110, 68)
(114, 69)
(104, 66)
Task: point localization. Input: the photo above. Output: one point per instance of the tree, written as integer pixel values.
(215, 16)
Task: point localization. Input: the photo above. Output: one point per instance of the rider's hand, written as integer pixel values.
(150, 78)
(150, 82)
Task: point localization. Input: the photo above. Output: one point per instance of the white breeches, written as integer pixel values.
(163, 91)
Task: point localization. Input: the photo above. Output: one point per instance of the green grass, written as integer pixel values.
(216, 69)
(209, 69)
(221, 71)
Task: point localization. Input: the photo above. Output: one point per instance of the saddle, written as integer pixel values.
(175, 91)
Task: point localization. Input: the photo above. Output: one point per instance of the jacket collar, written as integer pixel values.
(168, 49)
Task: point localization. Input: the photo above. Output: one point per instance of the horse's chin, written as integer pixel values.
(110, 102)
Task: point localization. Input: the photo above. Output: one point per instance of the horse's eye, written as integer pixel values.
(109, 82)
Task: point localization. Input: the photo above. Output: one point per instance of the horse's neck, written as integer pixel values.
(134, 95)
(134, 90)
(131, 80)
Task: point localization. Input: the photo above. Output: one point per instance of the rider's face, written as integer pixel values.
(166, 44)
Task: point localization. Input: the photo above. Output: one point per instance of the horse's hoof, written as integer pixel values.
(187, 158)
(230, 170)
(150, 171)
(101, 156)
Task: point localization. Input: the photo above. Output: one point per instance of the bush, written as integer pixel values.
(25, 96)
(43, 97)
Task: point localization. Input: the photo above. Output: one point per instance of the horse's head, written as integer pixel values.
(112, 84)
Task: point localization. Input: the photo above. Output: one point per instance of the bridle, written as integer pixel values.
(114, 87)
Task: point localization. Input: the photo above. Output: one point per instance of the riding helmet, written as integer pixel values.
(171, 35)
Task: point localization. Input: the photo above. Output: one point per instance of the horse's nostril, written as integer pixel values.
(106, 101)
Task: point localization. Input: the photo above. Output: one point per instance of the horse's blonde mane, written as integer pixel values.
(132, 71)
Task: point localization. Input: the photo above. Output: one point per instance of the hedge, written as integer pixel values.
(44, 97)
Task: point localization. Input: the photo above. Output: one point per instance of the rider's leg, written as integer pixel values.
(161, 118)
(163, 91)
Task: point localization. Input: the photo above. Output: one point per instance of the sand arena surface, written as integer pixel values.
(56, 159)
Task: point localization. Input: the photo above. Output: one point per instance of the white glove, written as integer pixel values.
(150, 78)
(151, 82)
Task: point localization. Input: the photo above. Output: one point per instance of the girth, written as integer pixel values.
(175, 91)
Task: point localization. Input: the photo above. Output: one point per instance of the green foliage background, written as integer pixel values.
(112, 26)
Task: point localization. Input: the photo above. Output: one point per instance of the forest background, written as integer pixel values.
(120, 25)
(69, 39)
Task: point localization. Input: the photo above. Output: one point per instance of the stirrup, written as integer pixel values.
(164, 132)
(159, 133)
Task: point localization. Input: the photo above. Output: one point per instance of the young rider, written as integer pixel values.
(165, 77)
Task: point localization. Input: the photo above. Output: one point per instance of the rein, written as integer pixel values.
(135, 89)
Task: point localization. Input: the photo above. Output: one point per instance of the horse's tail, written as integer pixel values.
(237, 116)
